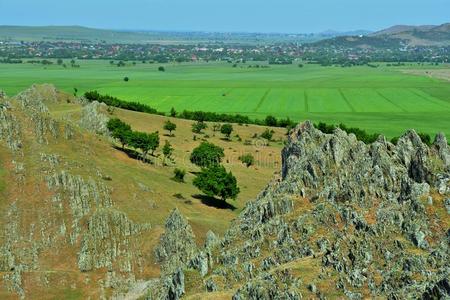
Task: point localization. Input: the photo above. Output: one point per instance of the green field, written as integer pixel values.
(380, 99)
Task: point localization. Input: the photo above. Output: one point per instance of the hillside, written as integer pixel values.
(81, 218)
(394, 37)
(418, 35)
(339, 219)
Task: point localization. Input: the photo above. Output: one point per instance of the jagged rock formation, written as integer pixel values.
(107, 240)
(93, 119)
(345, 220)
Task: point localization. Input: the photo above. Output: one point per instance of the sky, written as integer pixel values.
(288, 16)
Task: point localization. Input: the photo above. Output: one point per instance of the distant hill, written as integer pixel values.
(79, 33)
(73, 33)
(418, 35)
(394, 37)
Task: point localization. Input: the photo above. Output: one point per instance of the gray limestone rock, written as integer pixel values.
(94, 119)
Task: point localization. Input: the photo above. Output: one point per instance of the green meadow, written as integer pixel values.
(382, 99)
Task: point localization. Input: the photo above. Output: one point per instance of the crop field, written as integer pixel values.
(386, 100)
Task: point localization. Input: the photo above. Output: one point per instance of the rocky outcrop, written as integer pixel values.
(177, 244)
(107, 239)
(10, 129)
(82, 195)
(93, 118)
(362, 215)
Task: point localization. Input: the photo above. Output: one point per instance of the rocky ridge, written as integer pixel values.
(72, 212)
(345, 220)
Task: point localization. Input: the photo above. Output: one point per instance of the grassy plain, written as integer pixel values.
(384, 99)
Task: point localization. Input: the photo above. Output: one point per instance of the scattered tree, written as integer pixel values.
(226, 129)
(247, 159)
(126, 79)
(198, 126)
(169, 126)
(59, 61)
(215, 181)
(167, 151)
(161, 69)
(207, 154)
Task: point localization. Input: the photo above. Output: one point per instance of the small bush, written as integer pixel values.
(178, 175)
(247, 159)
(267, 134)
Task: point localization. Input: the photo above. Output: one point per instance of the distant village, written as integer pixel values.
(322, 52)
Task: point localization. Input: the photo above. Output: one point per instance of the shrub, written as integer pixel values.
(267, 134)
(161, 69)
(425, 137)
(178, 175)
(247, 159)
(126, 79)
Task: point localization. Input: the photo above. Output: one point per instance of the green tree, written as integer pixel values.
(169, 126)
(161, 69)
(59, 61)
(216, 181)
(173, 112)
(207, 154)
(271, 121)
(226, 129)
(126, 79)
(120, 131)
(167, 151)
(247, 159)
(146, 142)
(197, 127)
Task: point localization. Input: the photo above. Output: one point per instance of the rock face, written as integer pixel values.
(177, 245)
(345, 220)
(93, 119)
(107, 240)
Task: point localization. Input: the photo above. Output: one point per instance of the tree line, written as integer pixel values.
(362, 135)
(200, 116)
